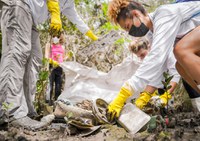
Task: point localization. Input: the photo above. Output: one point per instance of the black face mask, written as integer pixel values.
(138, 31)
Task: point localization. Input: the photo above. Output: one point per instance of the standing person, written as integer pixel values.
(21, 52)
(141, 47)
(167, 24)
(57, 54)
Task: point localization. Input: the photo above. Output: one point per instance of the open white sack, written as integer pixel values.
(82, 82)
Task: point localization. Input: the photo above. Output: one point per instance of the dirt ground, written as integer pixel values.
(182, 125)
(185, 127)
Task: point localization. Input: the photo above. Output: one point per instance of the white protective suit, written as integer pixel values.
(21, 51)
(168, 66)
(67, 7)
(170, 22)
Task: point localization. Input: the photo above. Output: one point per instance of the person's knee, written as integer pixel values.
(181, 52)
(178, 51)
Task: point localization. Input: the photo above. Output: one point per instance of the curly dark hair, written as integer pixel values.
(118, 9)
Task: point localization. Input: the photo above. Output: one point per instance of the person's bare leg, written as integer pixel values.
(187, 54)
(186, 77)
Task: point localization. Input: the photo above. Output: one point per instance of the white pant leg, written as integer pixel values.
(16, 26)
(31, 71)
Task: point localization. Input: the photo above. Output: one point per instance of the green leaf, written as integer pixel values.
(163, 82)
(104, 8)
(169, 87)
(165, 75)
(6, 106)
(170, 78)
(167, 81)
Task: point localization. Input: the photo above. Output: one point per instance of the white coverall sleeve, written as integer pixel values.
(70, 12)
(165, 28)
(172, 69)
(157, 81)
(169, 66)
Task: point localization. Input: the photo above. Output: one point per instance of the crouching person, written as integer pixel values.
(141, 48)
(166, 27)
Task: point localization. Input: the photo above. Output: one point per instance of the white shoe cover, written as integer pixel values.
(196, 104)
(198, 86)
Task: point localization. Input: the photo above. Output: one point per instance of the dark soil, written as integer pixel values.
(184, 126)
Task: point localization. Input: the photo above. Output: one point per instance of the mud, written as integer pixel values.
(182, 125)
(186, 128)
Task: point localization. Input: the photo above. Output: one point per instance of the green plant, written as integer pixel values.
(166, 82)
(120, 45)
(41, 86)
(107, 27)
(5, 108)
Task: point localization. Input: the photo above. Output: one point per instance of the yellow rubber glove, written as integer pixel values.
(91, 35)
(143, 99)
(54, 9)
(164, 98)
(115, 107)
(50, 61)
(155, 93)
(53, 63)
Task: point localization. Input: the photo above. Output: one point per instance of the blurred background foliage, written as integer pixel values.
(94, 14)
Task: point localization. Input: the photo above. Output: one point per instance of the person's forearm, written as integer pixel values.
(150, 89)
(173, 84)
(47, 51)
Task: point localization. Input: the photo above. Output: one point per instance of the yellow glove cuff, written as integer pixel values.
(91, 35)
(166, 95)
(55, 64)
(54, 9)
(50, 61)
(121, 98)
(155, 93)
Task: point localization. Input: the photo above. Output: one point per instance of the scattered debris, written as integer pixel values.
(85, 104)
(99, 111)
